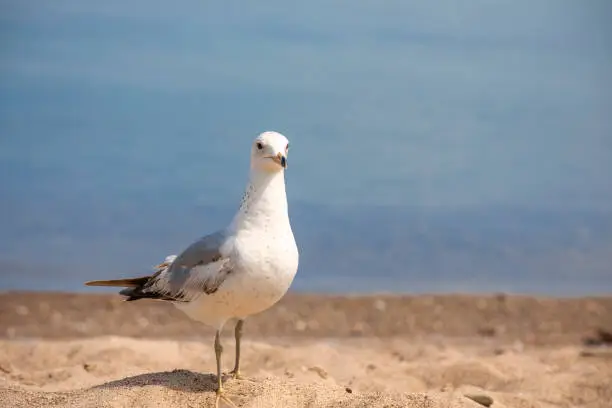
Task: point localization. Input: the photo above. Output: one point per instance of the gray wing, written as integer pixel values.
(204, 251)
(199, 269)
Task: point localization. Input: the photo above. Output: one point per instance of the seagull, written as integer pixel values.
(237, 271)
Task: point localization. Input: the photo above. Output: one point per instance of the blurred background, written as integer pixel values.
(436, 146)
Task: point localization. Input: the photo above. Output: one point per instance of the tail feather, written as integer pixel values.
(139, 288)
(125, 283)
(135, 288)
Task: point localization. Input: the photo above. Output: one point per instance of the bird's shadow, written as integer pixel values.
(178, 380)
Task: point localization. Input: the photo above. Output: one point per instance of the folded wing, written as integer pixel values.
(200, 269)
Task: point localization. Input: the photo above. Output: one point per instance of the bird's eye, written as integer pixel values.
(287, 147)
(259, 145)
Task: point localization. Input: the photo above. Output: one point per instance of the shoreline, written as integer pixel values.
(529, 319)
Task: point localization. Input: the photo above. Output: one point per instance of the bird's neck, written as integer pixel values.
(264, 201)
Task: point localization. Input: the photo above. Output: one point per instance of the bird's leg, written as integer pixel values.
(218, 351)
(238, 335)
(220, 393)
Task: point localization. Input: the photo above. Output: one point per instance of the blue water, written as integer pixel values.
(435, 147)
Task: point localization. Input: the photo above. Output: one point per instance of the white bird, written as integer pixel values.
(240, 270)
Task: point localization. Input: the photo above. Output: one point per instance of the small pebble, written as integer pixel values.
(142, 322)
(380, 305)
(11, 332)
(358, 329)
(300, 325)
(482, 399)
(487, 331)
(518, 346)
(22, 310)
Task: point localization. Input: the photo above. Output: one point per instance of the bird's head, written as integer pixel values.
(269, 152)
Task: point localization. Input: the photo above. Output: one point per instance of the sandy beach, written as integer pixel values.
(79, 350)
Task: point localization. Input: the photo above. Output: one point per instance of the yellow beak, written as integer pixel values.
(280, 159)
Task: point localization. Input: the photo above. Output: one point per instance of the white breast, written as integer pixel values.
(267, 265)
(263, 270)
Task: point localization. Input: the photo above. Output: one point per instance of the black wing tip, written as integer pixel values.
(133, 294)
(126, 282)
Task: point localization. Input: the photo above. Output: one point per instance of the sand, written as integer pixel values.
(60, 350)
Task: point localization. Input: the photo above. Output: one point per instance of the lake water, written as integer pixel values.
(435, 147)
